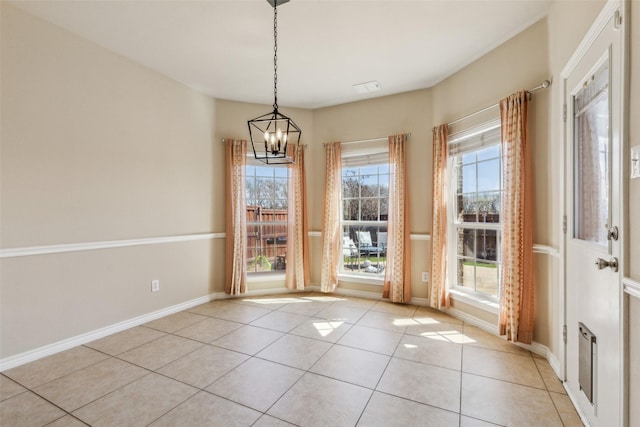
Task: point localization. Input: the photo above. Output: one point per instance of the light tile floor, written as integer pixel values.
(299, 359)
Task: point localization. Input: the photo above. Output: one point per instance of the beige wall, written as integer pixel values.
(408, 112)
(97, 148)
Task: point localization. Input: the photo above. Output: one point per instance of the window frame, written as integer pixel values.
(275, 271)
(356, 158)
(458, 148)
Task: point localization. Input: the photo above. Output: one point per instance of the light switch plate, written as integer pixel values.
(635, 161)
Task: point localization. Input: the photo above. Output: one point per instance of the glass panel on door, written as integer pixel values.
(591, 151)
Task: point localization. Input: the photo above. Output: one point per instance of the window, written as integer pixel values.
(267, 202)
(365, 210)
(476, 189)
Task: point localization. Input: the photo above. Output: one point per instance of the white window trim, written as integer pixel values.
(467, 296)
(362, 155)
(264, 276)
(476, 300)
(361, 279)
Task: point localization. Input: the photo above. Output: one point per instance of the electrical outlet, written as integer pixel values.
(155, 285)
(425, 276)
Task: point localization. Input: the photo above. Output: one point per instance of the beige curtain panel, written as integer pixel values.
(331, 230)
(297, 272)
(438, 293)
(236, 218)
(397, 274)
(517, 282)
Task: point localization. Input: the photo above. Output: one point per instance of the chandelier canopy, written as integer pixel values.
(272, 133)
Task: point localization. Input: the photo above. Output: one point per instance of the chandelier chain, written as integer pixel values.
(275, 56)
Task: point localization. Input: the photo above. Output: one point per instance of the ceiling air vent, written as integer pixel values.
(367, 87)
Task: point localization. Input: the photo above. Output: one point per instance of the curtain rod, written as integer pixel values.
(360, 141)
(545, 84)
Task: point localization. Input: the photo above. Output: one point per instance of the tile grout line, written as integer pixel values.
(308, 371)
(546, 387)
(461, 373)
(370, 309)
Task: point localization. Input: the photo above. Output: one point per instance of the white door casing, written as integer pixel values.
(593, 86)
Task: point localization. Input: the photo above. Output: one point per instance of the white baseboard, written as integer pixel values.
(482, 324)
(574, 402)
(66, 344)
(350, 292)
(48, 350)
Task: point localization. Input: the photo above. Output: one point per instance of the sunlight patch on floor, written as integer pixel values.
(275, 300)
(426, 320)
(449, 336)
(405, 322)
(326, 328)
(325, 299)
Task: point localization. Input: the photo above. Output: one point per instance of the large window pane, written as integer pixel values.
(469, 178)
(468, 158)
(350, 187)
(267, 201)
(478, 193)
(468, 208)
(350, 209)
(466, 274)
(364, 249)
(369, 210)
(486, 278)
(488, 206)
(487, 244)
(489, 175)
(467, 242)
(365, 193)
(591, 145)
(492, 152)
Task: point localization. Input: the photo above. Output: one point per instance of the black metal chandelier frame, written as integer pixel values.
(272, 133)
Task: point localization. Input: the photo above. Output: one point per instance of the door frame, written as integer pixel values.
(612, 9)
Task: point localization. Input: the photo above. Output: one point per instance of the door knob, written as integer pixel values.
(603, 263)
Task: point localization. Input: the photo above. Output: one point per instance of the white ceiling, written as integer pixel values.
(225, 47)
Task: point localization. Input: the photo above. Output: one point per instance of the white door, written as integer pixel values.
(594, 363)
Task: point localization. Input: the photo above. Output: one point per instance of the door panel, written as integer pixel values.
(593, 294)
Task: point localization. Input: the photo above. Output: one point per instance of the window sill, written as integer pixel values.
(265, 277)
(356, 278)
(475, 300)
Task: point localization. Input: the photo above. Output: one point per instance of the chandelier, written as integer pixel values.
(271, 133)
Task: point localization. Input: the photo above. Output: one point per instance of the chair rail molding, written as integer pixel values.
(631, 287)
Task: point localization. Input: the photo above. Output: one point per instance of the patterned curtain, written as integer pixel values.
(439, 294)
(297, 272)
(331, 230)
(517, 282)
(236, 218)
(397, 275)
